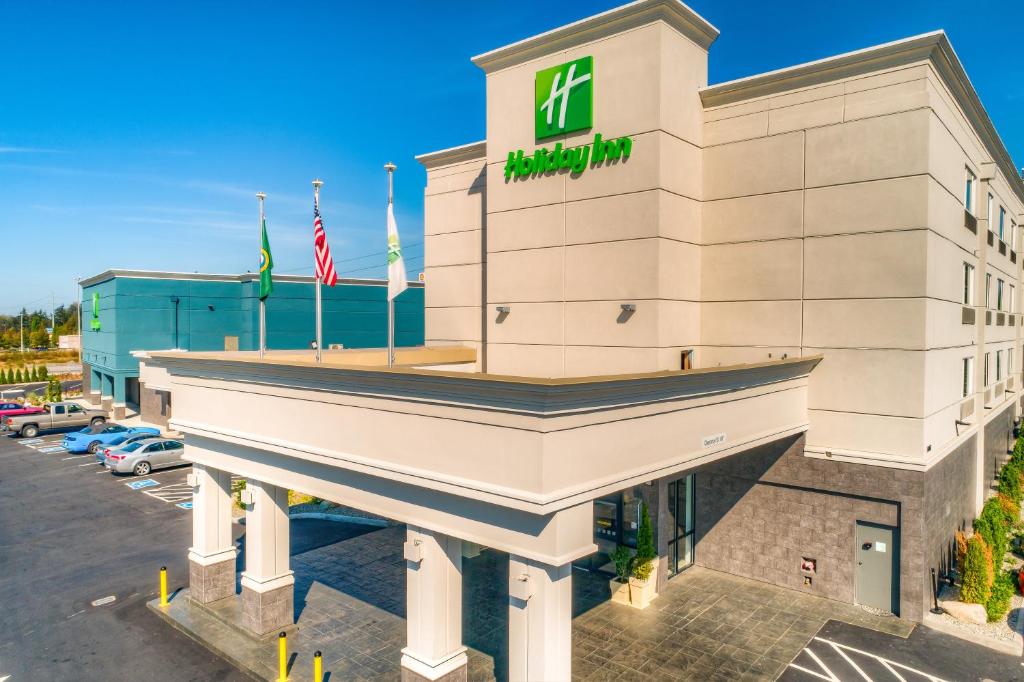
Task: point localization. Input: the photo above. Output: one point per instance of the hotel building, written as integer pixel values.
(780, 310)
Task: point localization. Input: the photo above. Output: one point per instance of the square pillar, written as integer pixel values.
(211, 558)
(539, 621)
(267, 583)
(433, 570)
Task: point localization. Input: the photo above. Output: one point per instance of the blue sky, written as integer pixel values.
(135, 135)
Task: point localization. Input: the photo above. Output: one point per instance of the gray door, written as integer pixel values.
(876, 557)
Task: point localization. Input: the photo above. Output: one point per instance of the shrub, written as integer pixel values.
(1010, 509)
(998, 603)
(976, 582)
(993, 526)
(43, 372)
(960, 538)
(645, 550)
(3, 376)
(17, 376)
(53, 390)
(1009, 482)
(622, 558)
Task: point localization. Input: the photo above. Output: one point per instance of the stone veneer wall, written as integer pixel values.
(151, 407)
(948, 507)
(760, 512)
(998, 438)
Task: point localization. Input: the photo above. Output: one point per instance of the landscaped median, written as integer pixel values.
(989, 579)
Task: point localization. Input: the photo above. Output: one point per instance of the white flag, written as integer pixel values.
(397, 281)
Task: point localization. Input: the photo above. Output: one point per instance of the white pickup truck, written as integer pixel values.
(54, 416)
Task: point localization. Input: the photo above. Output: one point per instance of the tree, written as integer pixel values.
(3, 376)
(976, 583)
(39, 338)
(33, 374)
(53, 390)
(18, 378)
(43, 372)
(645, 550)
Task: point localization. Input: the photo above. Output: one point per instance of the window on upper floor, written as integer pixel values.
(969, 184)
(1013, 235)
(988, 213)
(1009, 361)
(968, 377)
(968, 284)
(988, 290)
(984, 370)
(1011, 303)
(1002, 222)
(999, 365)
(999, 294)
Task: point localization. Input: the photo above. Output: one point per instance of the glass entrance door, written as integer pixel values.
(680, 511)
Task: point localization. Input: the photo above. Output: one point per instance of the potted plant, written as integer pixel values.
(636, 582)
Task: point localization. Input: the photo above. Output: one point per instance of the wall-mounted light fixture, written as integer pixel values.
(503, 309)
(628, 307)
(210, 306)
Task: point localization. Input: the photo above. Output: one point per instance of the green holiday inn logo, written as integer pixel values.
(564, 98)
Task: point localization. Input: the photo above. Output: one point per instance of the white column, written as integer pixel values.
(212, 554)
(266, 537)
(433, 572)
(267, 583)
(539, 621)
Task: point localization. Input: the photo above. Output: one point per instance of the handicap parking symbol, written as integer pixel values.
(139, 485)
(184, 505)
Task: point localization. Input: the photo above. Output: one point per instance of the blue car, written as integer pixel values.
(92, 438)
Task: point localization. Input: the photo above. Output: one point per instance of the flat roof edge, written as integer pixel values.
(460, 153)
(673, 12)
(934, 47)
(222, 277)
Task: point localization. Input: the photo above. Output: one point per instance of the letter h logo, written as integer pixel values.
(565, 98)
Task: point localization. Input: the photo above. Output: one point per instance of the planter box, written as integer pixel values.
(643, 592)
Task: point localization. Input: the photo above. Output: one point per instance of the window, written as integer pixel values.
(968, 377)
(999, 365)
(686, 361)
(1009, 361)
(988, 290)
(968, 284)
(969, 192)
(1002, 221)
(999, 294)
(988, 213)
(72, 408)
(985, 370)
(58, 409)
(1011, 303)
(1013, 235)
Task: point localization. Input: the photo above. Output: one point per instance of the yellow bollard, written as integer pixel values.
(282, 657)
(318, 667)
(163, 586)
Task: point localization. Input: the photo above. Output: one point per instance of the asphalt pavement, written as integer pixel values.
(72, 536)
(844, 652)
(38, 387)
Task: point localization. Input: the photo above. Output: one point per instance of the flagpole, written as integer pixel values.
(317, 184)
(390, 168)
(263, 304)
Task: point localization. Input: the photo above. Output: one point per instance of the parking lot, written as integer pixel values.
(80, 552)
(168, 486)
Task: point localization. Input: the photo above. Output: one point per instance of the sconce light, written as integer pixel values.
(504, 309)
(628, 307)
(210, 306)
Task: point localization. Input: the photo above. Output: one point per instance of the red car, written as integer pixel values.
(17, 409)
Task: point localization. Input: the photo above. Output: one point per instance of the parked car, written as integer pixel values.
(101, 453)
(54, 416)
(92, 438)
(17, 409)
(142, 456)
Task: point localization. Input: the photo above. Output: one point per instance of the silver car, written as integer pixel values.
(143, 456)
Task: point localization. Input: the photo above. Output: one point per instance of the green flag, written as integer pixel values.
(266, 265)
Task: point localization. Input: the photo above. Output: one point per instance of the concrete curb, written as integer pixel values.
(1014, 647)
(340, 518)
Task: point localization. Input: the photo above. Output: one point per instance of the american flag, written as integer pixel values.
(324, 263)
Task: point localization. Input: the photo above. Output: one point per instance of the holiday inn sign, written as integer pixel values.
(564, 103)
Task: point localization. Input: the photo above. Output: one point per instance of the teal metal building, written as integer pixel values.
(130, 310)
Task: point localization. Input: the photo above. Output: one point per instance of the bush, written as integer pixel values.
(17, 376)
(43, 372)
(622, 558)
(3, 376)
(976, 582)
(53, 390)
(998, 603)
(1009, 482)
(1010, 509)
(645, 550)
(993, 526)
(960, 538)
